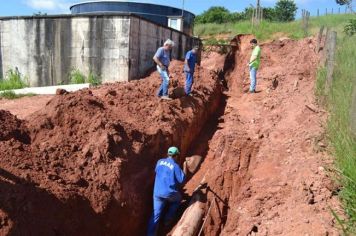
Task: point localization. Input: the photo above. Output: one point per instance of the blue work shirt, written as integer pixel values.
(163, 56)
(192, 59)
(168, 178)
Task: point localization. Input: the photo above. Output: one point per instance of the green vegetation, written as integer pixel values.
(339, 101)
(350, 28)
(9, 94)
(77, 77)
(271, 30)
(283, 11)
(13, 80)
(93, 79)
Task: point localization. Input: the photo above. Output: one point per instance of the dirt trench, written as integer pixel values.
(84, 164)
(265, 160)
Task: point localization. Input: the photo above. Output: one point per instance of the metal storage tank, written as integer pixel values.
(164, 15)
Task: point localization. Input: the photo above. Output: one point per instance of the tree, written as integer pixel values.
(343, 2)
(269, 13)
(214, 15)
(285, 10)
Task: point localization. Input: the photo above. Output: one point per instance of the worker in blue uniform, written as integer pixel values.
(169, 177)
(189, 68)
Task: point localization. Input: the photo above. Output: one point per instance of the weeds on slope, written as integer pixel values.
(271, 30)
(343, 141)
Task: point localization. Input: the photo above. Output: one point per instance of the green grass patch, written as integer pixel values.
(77, 77)
(272, 30)
(13, 80)
(339, 101)
(9, 94)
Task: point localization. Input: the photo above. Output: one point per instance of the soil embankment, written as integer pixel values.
(84, 164)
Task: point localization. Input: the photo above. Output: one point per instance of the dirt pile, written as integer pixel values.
(89, 167)
(12, 128)
(264, 172)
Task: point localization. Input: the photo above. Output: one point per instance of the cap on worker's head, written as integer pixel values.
(172, 151)
(254, 41)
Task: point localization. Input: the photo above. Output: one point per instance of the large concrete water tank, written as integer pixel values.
(164, 15)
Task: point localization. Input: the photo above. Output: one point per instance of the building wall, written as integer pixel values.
(116, 47)
(47, 49)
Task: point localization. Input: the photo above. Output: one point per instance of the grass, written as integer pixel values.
(12, 95)
(13, 80)
(339, 103)
(77, 77)
(271, 30)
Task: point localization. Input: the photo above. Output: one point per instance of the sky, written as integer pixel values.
(29, 7)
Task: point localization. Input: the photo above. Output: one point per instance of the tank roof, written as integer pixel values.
(118, 1)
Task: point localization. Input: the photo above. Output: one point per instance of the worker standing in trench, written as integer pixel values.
(169, 177)
(189, 67)
(254, 64)
(162, 59)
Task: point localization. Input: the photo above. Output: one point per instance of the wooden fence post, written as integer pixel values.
(320, 37)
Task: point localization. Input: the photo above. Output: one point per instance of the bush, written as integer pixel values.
(214, 15)
(350, 28)
(13, 80)
(285, 10)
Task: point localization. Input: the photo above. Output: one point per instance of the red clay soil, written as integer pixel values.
(89, 166)
(25, 106)
(265, 167)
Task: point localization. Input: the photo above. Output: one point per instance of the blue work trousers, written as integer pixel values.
(159, 203)
(189, 79)
(253, 74)
(163, 90)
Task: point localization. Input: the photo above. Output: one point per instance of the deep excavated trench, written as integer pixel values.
(89, 167)
(216, 141)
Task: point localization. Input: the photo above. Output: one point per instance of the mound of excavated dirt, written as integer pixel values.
(89, 167)
(12, 128)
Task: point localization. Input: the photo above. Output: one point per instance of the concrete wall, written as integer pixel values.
(146, 37)
(116, 47)
(47, 49)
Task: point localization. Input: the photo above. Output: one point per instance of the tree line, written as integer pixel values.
(283, 11)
